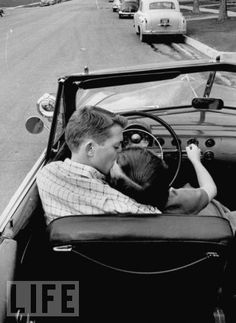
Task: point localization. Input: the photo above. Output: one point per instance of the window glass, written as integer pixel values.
(161, 5)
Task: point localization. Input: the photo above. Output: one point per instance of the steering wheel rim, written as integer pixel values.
(168, 128)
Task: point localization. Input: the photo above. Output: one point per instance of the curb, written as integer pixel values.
(228, 56)
(207, 50)
(210, 52)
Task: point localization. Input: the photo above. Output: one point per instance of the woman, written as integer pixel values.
(143, 176)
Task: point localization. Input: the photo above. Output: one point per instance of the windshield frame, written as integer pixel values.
(69, 85)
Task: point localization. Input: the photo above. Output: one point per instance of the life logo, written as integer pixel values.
(43, 298)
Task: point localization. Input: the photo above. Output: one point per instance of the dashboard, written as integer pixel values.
(220, 146)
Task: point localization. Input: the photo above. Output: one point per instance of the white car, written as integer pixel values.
(160, 17)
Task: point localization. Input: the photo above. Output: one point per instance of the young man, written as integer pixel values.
(77, 185)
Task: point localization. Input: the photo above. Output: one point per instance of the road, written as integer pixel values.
(40, 44)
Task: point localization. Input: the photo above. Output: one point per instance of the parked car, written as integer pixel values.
(116, 5)
(159, 17)
(163, 268)
(128, 8)
(49, 2)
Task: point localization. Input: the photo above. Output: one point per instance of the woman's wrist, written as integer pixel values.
(196, 162)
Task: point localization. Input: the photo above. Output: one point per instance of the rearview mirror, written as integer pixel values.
(207, 103)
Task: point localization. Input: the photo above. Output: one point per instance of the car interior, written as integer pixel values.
(174, 267)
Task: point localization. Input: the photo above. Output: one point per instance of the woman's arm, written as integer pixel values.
(204, 178)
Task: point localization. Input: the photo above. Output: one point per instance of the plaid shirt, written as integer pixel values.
(70, 188)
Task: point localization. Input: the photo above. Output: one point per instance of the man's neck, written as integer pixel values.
(79, 159)
(76, 158)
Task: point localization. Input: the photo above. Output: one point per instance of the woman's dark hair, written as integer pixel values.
(147, 176)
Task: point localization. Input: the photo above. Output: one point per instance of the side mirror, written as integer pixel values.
(46, 105)
(35, 125)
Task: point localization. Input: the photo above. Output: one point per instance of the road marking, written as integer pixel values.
(6, 47)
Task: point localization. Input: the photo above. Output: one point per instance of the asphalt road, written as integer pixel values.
(40, 44)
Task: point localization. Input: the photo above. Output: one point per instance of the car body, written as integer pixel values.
(128, 8)
(179, 268)
(116, 5)
(156, 17)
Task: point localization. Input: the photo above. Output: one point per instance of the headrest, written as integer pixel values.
(75, 229)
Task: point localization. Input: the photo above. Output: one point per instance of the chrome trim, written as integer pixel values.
(21, 192)
(65, 248)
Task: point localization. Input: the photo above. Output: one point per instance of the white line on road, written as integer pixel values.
(6, 47)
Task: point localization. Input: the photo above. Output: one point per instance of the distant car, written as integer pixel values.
(128, 8)
(160, 17)
(45, 3)
(49, 2)
(116, 5)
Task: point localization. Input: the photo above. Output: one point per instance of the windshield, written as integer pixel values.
(170, 93)
(161, 5)
(128, 4)
(42, 41)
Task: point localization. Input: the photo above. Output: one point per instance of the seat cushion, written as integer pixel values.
(75, 229)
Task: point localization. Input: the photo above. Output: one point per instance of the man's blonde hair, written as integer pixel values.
(91, 122)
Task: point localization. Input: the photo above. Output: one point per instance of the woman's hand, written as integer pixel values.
(204, 178)
(193, 153)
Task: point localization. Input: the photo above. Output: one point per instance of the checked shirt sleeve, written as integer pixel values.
(116, 202)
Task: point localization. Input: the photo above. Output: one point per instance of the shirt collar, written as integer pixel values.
(88, 171)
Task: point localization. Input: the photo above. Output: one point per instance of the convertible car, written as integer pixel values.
(151, 268)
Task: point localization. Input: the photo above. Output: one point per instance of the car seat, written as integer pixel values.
(165, 268)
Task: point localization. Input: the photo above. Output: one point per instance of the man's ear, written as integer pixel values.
(90, 148)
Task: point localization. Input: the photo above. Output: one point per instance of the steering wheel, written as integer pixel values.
(152, 139)
(135, 136)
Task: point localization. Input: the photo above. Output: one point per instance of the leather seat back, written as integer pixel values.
(143, 266)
